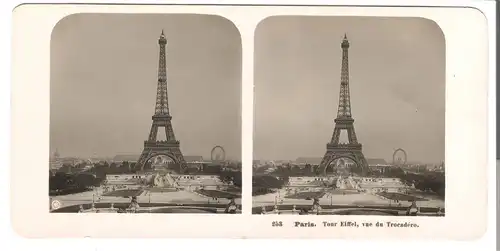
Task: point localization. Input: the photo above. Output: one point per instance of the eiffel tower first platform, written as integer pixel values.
(344, 122)
(162, 119)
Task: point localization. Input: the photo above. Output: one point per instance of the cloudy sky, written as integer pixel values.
(104, 77)
(397, 82)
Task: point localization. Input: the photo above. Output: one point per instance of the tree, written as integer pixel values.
(55, 183)
(113, 168)
(237, 180)
(66, 168)
(99, 181)
(100, 171)
(84, 180)
(134, 168)
(60, 181)
(81, 165)
(434, 182)
(317, 170)
(124, 167)
(231, 176)
(268, 181)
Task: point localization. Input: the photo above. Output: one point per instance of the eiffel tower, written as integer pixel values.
(344, 122)
(161, 118)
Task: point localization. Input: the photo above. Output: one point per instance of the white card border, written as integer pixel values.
(17, 114)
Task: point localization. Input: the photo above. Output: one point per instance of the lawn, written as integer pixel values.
(235, 190)
(160, 189)
(217, 194)
(256, 191)
(124, 193)
(345, 192)
(400, 196)
(305, 195)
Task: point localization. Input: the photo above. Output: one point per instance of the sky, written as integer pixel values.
(397, 85)
(104, 78)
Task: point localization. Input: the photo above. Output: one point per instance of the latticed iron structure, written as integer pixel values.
(162, 119)
(344, 122)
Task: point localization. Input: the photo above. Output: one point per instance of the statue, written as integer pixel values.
(413, 209)
(133, 204)
(440, 211)
(231, 207)
(303, 211)
(316, 207)
(263, 210)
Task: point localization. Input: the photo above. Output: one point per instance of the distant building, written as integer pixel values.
(440, 168)
(190, 182)
(195, 161)
(317, 161)
(377, 163)
(377, 185)
(192, 161)
(436, 168)
(118, 159)
(55, 161)
(72, 161)
(308, 160)
(309, 181)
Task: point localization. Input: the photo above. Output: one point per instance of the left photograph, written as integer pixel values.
(145, 114)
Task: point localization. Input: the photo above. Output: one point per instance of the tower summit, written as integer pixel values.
(344, 109)
(161, 107)
(162, 118)
(351, 150)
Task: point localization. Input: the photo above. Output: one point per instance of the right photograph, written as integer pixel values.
(349, 116)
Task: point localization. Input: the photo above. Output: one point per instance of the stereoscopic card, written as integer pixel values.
(250, 121)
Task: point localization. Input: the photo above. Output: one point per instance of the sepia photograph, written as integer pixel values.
(370, 121)
(145, 114)
(349, 116)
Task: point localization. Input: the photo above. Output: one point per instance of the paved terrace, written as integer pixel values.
(339, 199)
(178, 197)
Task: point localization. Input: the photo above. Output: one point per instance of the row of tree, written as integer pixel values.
(425, 181)
(288, 170)
(428, 181)
(264, 184)
(301, 170)
(234, 177)
(64, 183)
(103, 168)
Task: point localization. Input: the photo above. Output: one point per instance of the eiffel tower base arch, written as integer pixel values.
(153, 149)
(357, 157)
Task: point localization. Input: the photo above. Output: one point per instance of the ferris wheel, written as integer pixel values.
(399, 157)
(218, 154)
